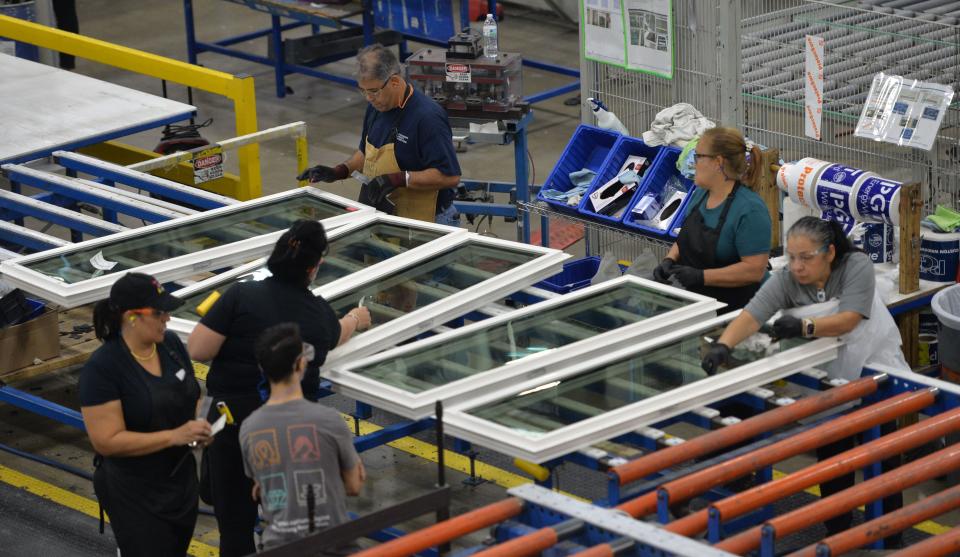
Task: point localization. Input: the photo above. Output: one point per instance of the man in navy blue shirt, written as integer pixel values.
(406, 146)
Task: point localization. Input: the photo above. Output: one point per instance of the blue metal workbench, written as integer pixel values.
(432, 25)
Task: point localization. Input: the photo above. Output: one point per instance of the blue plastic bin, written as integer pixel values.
(624, 147)
(657, 177)
(588, 148)
(575, 275)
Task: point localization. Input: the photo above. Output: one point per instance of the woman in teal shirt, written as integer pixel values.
(724, 245)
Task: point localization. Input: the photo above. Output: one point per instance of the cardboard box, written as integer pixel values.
(38, 338)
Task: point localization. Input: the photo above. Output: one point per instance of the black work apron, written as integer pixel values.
(151, 511)
(698, 248)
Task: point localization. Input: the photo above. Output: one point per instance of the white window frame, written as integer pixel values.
(93, 289)
(548, 263)
(183, 327)
(608, 425)
(421, 405)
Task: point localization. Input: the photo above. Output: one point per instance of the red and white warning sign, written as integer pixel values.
(813, 84)
(208, 165)
(458, 73)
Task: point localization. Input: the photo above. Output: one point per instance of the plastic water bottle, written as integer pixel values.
(490, 47)
(605, 119)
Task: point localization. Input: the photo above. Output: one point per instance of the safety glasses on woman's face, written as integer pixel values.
(373, 93)
(805, 257)
(150, 311)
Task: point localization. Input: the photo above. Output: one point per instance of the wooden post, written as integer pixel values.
(909, 322)
(766, 188)
(910, 207)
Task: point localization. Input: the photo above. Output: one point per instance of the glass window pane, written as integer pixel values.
(127, 253)
(551, 406)
(349, 253)
(498, 344)
(368, 246)
(446, 274)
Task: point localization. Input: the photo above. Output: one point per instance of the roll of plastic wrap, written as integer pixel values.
(845, 220)
(939, 256)
(877, 199)
(835, 187)
(878, 241)
(799, 178)
(928, 321)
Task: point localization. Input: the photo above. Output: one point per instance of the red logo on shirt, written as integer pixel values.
(264, 452)
(303, 443)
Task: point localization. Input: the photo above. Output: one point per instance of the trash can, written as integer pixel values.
(946, 306)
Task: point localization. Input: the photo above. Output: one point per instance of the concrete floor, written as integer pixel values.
(62, 520)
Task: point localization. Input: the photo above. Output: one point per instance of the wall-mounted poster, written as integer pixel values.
(603, 31)
(632, 34)
(649, 36)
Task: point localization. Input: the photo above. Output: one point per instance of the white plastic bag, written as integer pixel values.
(609, 269)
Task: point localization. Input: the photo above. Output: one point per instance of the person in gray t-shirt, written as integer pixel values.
(822, 266)
(292, 446)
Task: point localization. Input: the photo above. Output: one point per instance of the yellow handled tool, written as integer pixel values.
(204, 306)
(225, 411)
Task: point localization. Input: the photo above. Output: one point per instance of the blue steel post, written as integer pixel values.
(523, 187)
(191, 32)
(713, 525)
(276, 38)
(663, 506)
(363, 411)
(368, 22)
(613, 489)
(768, 541)
(40, 406)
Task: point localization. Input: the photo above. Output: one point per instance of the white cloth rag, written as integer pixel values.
(676, 125)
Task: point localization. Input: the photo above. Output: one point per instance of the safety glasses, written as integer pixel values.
(805, 257)
(375, 92)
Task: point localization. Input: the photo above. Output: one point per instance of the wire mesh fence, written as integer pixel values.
(862, 39)
(916, 39)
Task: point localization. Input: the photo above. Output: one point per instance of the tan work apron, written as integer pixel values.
(414, 204)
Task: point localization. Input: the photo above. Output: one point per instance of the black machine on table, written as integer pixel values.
(467, 83)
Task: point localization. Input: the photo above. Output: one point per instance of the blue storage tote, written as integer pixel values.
(624, 147)
(575, 275)
(588, 148)
(663, 169)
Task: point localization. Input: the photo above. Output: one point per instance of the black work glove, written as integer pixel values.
(788, 326)
(375, 193)
(662, 272)
(717, 355)
(322, 173)
(688, 276)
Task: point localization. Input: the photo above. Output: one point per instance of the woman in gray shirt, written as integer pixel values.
(823, 268)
